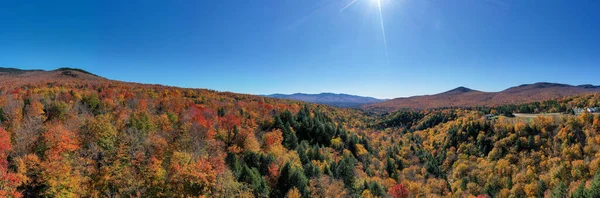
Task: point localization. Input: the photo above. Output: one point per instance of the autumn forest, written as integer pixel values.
(68, 133)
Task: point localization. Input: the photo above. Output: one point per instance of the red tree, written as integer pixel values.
(399, 191)
(8, 181)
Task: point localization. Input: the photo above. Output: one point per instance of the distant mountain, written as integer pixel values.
(463, 96)
(338, 100)
(15, 70)
(459, 90)
(8, 75)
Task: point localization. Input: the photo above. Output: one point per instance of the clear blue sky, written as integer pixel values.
(311, 46)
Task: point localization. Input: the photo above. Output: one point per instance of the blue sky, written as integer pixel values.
(310, 46)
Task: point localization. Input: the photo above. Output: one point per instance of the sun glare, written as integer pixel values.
(380, 13)
(382, 30)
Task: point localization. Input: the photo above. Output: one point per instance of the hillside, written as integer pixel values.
(18, 76)
(68, 133)
(338, 100)
(463, 97)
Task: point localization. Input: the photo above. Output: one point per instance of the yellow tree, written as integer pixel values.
(61, 179)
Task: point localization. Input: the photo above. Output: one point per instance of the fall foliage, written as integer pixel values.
(78, 137)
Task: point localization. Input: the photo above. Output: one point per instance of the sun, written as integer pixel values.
(378, 4)
(380, 12)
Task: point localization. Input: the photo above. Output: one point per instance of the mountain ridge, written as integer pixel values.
(333, 99)
(459, 90)
(463, 96)
(17, 70)
(457, 97)
(14, 75)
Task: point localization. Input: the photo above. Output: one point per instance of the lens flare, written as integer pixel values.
(380, 12)
(382, 31)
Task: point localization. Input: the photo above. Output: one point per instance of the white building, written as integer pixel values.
(589, 110)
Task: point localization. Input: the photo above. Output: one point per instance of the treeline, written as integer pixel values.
(564, 105)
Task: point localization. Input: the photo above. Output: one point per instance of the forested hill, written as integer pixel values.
(12, 76)
(68, 133)
(75, 134)
(464, 97)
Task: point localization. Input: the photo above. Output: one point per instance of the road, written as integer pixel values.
(533, 115)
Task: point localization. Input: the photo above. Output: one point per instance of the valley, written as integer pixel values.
(70, 133)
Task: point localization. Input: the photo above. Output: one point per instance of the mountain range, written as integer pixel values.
(462, 97)
(458, 97)
(338, 100)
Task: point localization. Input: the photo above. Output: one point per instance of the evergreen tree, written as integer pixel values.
(311, 170)
(221, 112)
(327, 170)
(542, 187)
(530, 142)
(302, 151)
(560, 191)
(376, 189)
(345, 171)
(290, 141)
(594, 190)
(390, 167)
(580, 191)
(234, 164)
(255, 180)
(289, 178)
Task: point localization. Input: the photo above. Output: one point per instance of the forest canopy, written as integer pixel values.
(77, 138)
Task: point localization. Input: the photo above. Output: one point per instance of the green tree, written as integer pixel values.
(542, 187)
(390, 167)
(289, 178)
(580, 191)
(594, 190)
(255, 180)
(91, 101)
(560, 191)
(290, 141)
(2, 117)
(234, 164)
(57, 110)
(376, 189)
(345, 171)
(102, 129)
(141, 121)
